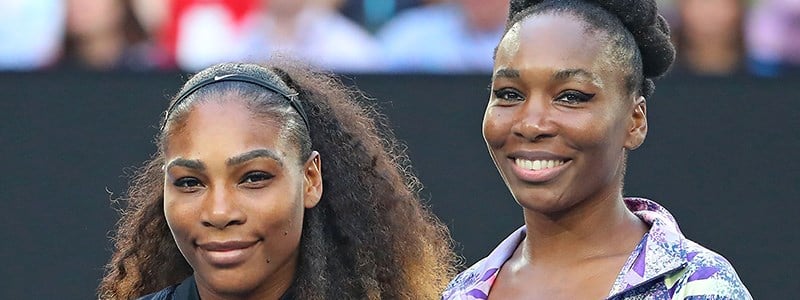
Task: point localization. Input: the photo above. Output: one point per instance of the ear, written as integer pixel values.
(312, 185)
(638, 125)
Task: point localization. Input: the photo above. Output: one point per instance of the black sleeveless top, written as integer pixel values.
(187, 290)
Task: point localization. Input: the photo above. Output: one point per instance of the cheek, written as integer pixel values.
(280, 215)
(180, 218)
(282, 226)
(604, 146)
(171, 213)
(496, 127)
(620, 127)
(598, 136)
(601, 130)
(294, 219)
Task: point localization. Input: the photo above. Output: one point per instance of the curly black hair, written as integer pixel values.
(641, 37)
(369, 237)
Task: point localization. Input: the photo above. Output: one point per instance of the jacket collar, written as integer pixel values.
(661, 252)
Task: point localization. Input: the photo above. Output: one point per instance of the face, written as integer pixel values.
(234, 197)
(88, 18)
(711, 20)
(560, 118)
(485, 15)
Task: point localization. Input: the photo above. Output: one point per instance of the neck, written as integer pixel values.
(595, 228)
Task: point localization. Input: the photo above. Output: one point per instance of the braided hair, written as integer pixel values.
(368, 238)
(640, 36)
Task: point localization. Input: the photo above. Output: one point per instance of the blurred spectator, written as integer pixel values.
(200, 33)
(452, 36)
(709, 36)
(312, 30)
(773, 37)
(30, 33)
(105, 35)
(371, 14)
(152, 14)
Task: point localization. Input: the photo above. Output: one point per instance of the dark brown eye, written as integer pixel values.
(187, 182)
(574, 97)
(253, 177)
(508, 94)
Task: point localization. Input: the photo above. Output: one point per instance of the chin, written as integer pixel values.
(230, 282)
(543, 203)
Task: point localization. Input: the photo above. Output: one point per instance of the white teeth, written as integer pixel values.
(537, 165)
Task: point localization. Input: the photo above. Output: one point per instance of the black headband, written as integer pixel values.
(241, 78)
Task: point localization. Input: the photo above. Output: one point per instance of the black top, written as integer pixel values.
(187, 290)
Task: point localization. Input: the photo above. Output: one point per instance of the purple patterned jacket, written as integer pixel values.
(665, 265)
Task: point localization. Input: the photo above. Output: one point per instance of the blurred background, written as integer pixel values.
(83, 84)
(715, 37)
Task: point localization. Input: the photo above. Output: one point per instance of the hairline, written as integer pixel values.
(609, 54)
(251, 98)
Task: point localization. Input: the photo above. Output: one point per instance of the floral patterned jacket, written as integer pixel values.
(665, 265)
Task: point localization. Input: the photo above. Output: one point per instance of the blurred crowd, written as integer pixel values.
(714, 37)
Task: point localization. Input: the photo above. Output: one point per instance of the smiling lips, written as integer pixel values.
(538, 170)
(226, 254)
(537, 165)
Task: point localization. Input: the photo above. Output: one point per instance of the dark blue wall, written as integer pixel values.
(721, 155)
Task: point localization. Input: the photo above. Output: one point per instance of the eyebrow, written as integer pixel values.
(250, 155)
(196, 164)
(562, 75)
(186, 163)
(509, 73)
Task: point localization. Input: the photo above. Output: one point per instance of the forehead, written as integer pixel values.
(224, 127)
(553, 42)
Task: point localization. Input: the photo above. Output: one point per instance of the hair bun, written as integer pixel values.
(517, 6)
(632, 13)
(662, 25)
(649, 29)
(640, 17)
(656, 48)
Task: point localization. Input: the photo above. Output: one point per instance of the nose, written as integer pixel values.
(533, 121)
(220, 210)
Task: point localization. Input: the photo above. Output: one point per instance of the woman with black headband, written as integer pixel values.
(274, 183)
(569, 89)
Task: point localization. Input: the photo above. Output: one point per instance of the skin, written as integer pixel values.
(485, 15)
(558, 96)
(711, 35)
(96, 27)
(231, 177)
